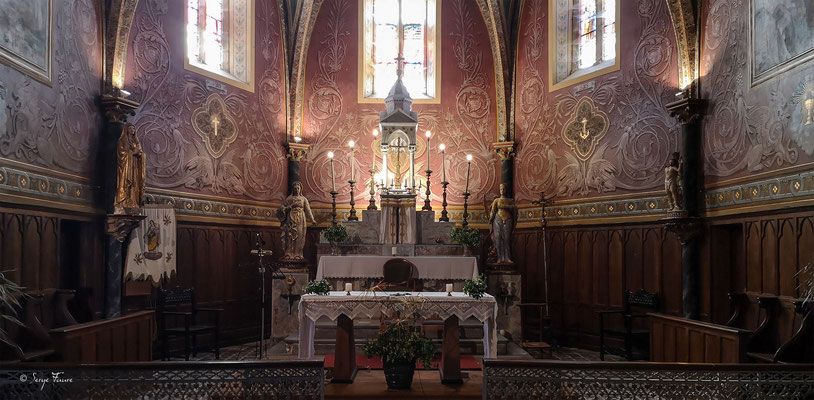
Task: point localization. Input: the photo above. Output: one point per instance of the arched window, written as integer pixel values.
(585, 41)
(220, 40)
(387, 26)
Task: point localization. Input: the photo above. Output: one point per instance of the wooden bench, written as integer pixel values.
(763, 344)
(800, 347)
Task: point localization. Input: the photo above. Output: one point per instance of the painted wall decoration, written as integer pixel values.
(640, 133)
(180, 111)
(748, 129)
(782, 34)
(55, 127)
(26, 30)
(465, 119)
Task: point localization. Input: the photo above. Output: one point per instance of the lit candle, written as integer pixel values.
(297, 139)
(449, 288)
(468, 166)
(443, 166)
(351, 144)
(348, 287)
(428, 149)
(394, 250)
(333, 181)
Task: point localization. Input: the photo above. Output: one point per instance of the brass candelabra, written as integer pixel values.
(444, 214)
(427, 205)
(352, 214)
(372, 205)
(333, 207)
(465, 222)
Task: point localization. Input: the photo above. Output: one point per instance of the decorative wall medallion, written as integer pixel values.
(585, 128)
(215, 126)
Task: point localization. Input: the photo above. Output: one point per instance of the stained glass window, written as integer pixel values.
(585, 33)
(391, 25)
(218, 35)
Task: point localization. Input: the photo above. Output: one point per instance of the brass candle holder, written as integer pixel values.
(427, 205)
(352, 214)
(333, 207)
(372, 204)
(444, 214)
(465, 222)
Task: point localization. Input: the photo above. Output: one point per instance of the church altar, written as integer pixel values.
(344, 308)
(438, 267)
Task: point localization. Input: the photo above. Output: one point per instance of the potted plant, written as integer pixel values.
(400, 345)
(10, 295)
(335, 234)
(468, 237)
(321, 288)
(475, 288)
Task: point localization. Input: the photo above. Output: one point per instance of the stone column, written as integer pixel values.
(295, 152)
(506, 152)
(116, 109)
(689, 111)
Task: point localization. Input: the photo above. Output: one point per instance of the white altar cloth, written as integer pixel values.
(367, 304)
(429, 267)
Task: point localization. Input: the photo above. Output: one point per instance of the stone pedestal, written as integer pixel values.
(285, 301)
(506, 287)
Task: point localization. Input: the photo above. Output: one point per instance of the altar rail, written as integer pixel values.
(540, 379)
(285, 379)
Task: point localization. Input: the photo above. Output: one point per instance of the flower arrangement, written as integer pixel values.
(475, 288)
(336, 233)
(469, 237)
(318, 287)
(10, 294)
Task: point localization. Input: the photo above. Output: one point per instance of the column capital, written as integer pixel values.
(504, 150)
(117, 107)
(120, 225)
(296, 151)
(685, 228)
(687, 110)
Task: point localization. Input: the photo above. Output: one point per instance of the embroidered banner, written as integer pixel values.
(151, 251)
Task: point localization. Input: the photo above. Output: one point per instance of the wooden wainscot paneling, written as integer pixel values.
(676, 339)
(126, 338)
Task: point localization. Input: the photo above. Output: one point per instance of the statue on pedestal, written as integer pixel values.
(674, 185)
(503, 218)
(292, 215)
(131, 176)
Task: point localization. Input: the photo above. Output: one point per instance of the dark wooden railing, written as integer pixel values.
(283, 379)
(541, 379)
(121, 339)
(676, 339)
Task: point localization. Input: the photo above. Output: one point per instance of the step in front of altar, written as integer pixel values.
(364, 329)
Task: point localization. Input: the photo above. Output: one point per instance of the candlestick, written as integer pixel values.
(352, 214)
(333, 207)
(449, 289)
(372, 201)
(394, 250)
(333, 180)
(444, 214)
(348, 288)
(428, 148)
(427, 205)
(443, 147)
(465, 222)
(468, 167)
(352, 144)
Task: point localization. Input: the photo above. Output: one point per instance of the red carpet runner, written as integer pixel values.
(467, 362)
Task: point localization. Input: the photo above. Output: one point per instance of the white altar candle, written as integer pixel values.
(468, 166)
(348, 287)
(428, 149)
(443, 166)
(351, 144)
(333, 181)
(394, 250)
(449, 288)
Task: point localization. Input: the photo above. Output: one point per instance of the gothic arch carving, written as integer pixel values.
(117, 34)
(684, 15)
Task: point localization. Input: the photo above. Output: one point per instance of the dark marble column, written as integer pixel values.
(116, 109)
(296, 152)
(688, 227)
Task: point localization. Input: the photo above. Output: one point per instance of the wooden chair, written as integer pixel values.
(739, 303)
(398, 275)
(180, 302)
(763, 344)
(635, 305)
(534, 328)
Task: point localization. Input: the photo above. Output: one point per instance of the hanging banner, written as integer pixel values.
(151, 251)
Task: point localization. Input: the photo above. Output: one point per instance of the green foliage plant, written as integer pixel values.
(400, 343)
(10, 295)
(335, 234)
(469, 237)
(318, 287)
(475, 288)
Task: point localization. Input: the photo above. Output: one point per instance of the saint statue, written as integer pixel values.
(292, 215)
(502, 218)
(673, 184)
(131, 176)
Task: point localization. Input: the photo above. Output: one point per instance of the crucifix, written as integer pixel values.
(214, 121)
(584, 133)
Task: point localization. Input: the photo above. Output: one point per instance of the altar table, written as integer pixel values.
(429, 267)
(343, 308)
